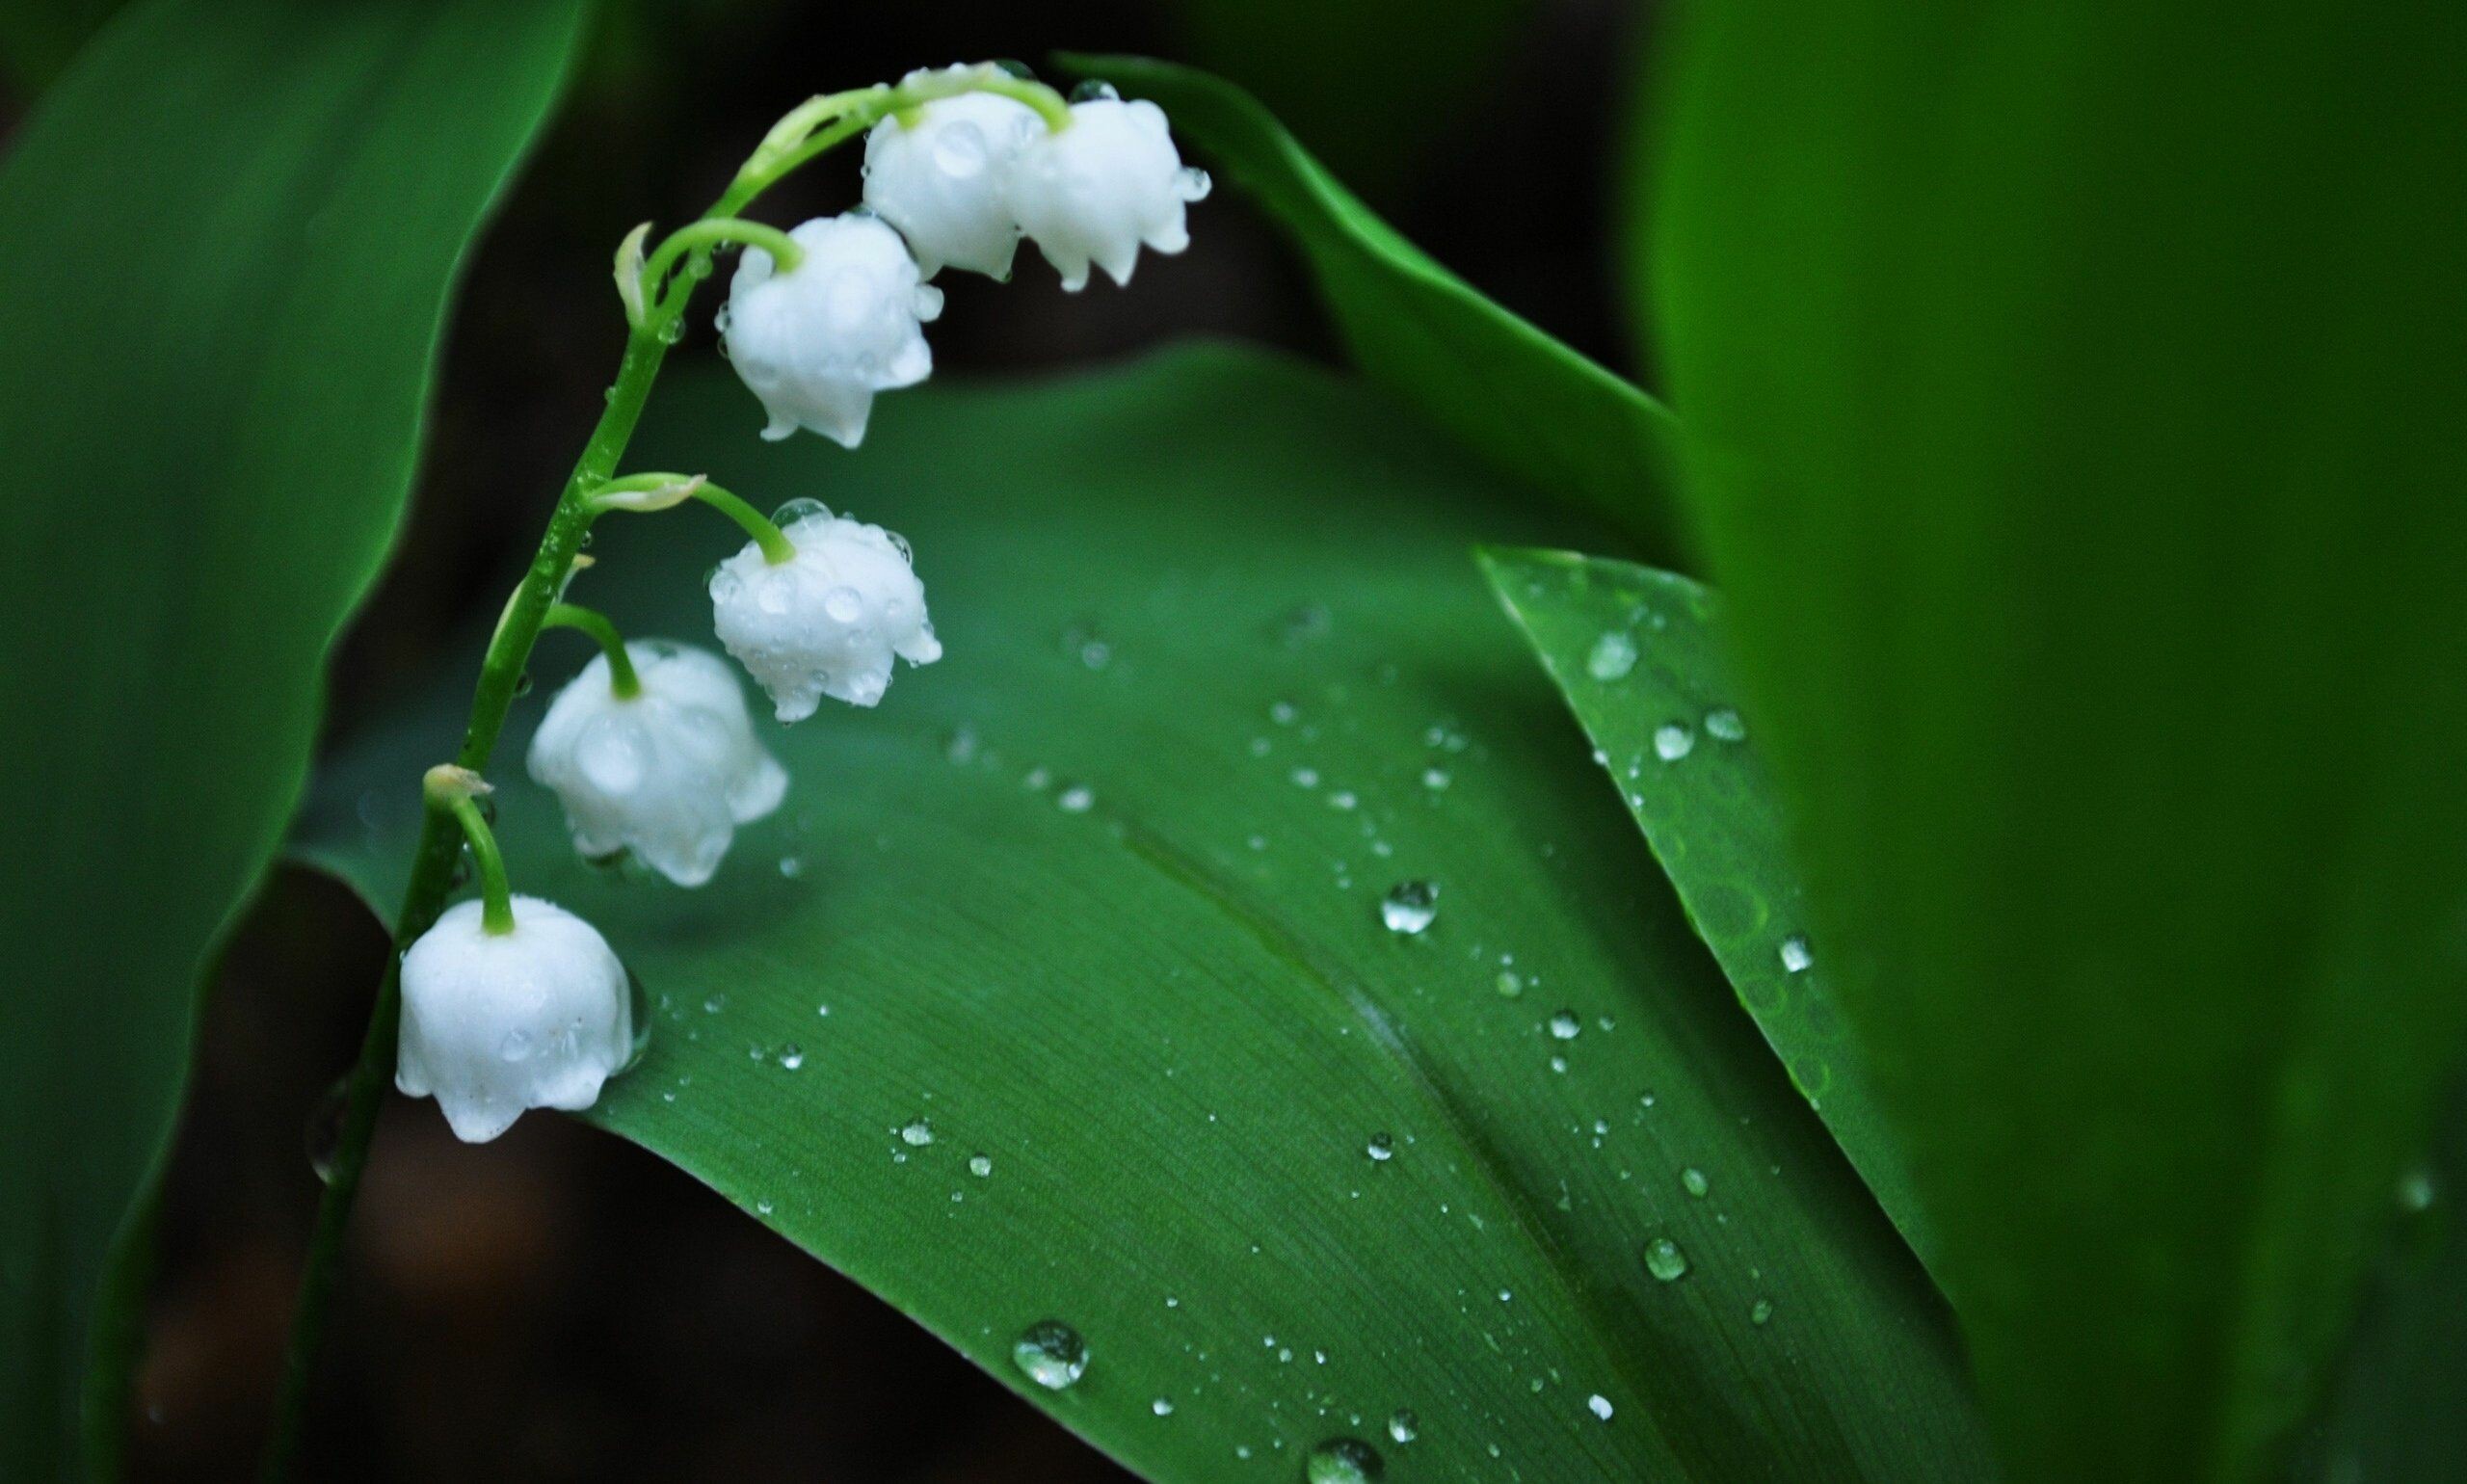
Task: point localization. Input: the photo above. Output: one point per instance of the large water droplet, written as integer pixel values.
(1381, 1148)
(1665, 1260)
(1599, 1405)
(1612, 657)
(1565, 1026)
(1673, 741)
(797, 510)
(1344, 1461)
(1403, 1425)
(843, 604)
(980, 1165)
(1410, 906)
(1051, 1354)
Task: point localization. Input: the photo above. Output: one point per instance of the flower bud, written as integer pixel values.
(667, 773)
(495, 1024)
(816, 342)
(943, 179)
(827, 622)
(1099, 189)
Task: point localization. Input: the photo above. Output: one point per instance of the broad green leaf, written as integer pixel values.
(1097, 900)
(1374, 85)
(2071, 397)
(2392, 1414)
(38, 38)
(228, 236)
(1538, 411)
(1637, 655)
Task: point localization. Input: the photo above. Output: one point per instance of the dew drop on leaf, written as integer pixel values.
(917, 1134)
(1409, 907)
(1403, 1425)
(1795, 954)
(1344, 1461)
(1673, 741)
(1051, 1354)
(1665, 1260)
(1381, 1148)
(1612, 657)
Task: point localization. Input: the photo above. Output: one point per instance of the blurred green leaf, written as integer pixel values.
(1097, 899)
(1540, 412)
(2072, 402)
(228, 236)
(1636, 653)
(1372, 83)
(38, 38)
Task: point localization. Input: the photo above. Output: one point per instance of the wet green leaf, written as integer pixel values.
(1062, 988)
(228, 237)
(1637, 654)
(2072, 404)
(1538, 411)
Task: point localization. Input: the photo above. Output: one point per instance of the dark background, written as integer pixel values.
(558, 1303)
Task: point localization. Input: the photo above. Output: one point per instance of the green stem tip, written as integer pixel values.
(458, 791)
(622, 681)
(644, 494)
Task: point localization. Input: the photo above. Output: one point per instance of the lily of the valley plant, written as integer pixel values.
(506, 1002)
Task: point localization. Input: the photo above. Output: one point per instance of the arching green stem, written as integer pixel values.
(699, 237)
(642, 493)
(801, 135)
(622, 681)
(496, 899)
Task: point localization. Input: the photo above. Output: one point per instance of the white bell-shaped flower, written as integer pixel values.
(816, 342)
(942, 180)
(495, 1024)
(829, 622)
(1096, 190)
(667, 773)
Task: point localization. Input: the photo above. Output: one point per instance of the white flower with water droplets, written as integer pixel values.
(943, 179)
(829, 622)
(1096, 190)
(495, 1024)
(816, 342)
(667, 773)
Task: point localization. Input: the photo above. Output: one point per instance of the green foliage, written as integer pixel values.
(1374, 85)
(2071, 397)
(1537, 410)
(37, 38)
(1637, 654)
(228, 235)
(1098, 898)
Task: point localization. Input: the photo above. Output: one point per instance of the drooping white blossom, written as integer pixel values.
(667, 773)
(829, 622)
(497, 1024)
(816, 342)
(1096, 190)
(944, 180)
